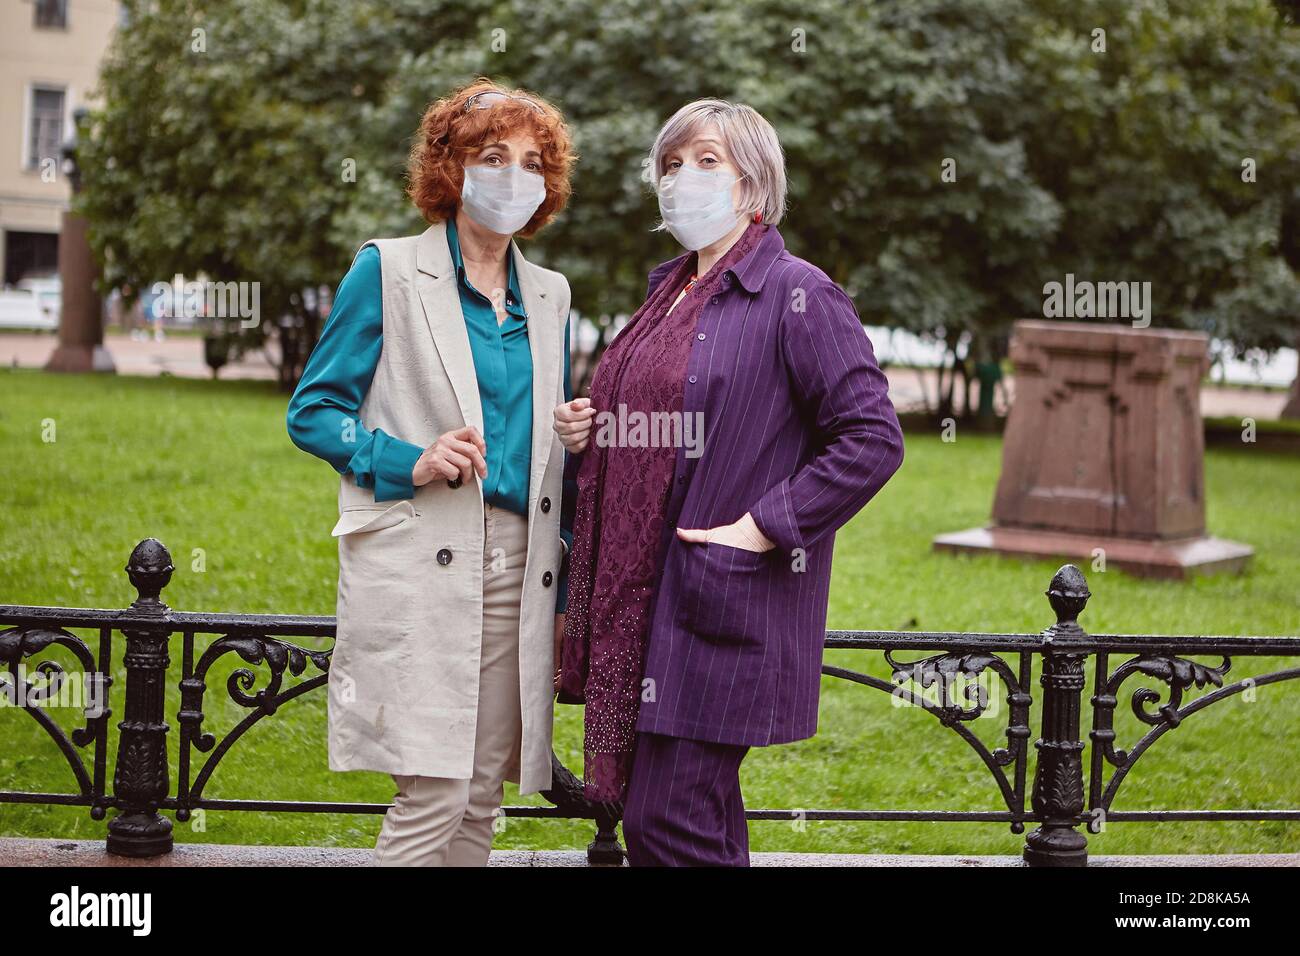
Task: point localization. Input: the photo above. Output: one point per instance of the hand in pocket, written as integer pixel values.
(742, 534)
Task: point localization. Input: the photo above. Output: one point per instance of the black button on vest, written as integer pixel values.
(444, 557)
(454, 483)
(546, 505)
(547, 579)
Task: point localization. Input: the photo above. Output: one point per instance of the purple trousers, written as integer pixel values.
(684, 806)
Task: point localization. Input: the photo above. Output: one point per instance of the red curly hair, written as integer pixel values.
(449, 135)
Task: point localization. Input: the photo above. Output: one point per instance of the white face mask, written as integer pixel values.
(502, 198)
(696, 206)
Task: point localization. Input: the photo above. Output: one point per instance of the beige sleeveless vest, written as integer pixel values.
(403, 687)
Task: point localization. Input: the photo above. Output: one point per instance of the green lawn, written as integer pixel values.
(207, 468)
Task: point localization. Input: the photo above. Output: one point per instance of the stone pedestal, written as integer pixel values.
(1103, 450)
(81, 322)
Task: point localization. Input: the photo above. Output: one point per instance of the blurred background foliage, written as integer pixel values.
(226, 128)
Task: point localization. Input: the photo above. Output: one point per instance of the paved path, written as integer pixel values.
(180, 355)
(20, 851)
(183, 356)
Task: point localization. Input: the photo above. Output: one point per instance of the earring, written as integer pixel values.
(758, 217)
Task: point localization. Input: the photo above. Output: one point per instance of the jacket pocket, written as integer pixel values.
(372, 518)
(723, 592)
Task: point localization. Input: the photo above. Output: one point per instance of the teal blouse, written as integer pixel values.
(324, 413)
(504, 366)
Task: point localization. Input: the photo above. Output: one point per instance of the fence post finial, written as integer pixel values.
(1068, 594)
(149, 568)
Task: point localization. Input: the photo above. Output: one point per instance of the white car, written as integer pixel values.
(32, 304)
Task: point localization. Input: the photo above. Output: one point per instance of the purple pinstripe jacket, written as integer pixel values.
(799, 431)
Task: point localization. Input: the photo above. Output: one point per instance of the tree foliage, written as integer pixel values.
(1116, 163)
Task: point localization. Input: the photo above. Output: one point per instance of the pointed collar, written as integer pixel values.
(751, 271)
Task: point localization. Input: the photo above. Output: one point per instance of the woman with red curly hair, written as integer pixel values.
(430, 393)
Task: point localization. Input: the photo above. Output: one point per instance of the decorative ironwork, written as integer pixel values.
(142, 784)
(944, 672)
(566, 793)
(278, 656)
(1058, 779)
(1179, 674)
(140, 779)
(20, 643)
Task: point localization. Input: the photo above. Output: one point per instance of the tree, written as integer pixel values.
(221, 145)
(947, 157)
(1171, 153)
(1115, 161)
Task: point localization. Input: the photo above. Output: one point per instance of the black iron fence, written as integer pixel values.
(954, 684)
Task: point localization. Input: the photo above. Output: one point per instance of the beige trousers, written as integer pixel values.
(439, 821)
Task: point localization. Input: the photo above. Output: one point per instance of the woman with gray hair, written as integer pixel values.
(700, 568)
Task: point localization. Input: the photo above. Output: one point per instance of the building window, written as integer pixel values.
(52, 13)
(30, 255)
(46, 133)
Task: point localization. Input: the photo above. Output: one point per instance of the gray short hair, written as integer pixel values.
(749, 139)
